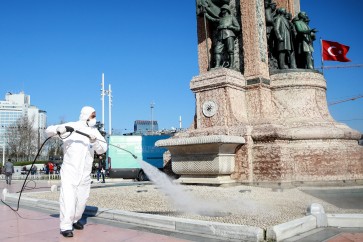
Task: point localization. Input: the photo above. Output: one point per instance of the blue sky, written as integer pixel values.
(56, 51)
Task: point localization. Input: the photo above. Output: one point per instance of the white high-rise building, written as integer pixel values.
(14, 107)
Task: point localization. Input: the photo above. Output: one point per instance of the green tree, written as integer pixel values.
(20, 138)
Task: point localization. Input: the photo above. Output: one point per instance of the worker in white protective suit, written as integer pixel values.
(77, 165)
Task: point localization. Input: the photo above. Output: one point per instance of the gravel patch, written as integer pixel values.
(245, 205)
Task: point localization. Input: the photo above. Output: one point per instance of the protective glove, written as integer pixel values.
(92, 138)
(61, 130)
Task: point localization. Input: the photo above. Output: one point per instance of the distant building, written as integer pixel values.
(145, 126)
(16, 106)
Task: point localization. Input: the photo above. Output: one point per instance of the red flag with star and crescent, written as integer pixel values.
(334, 51)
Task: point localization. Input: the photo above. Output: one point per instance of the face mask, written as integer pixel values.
(91, 122)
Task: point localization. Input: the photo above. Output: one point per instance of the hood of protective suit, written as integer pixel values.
(85, 113)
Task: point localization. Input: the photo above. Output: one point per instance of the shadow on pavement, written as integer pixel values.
(342, 198)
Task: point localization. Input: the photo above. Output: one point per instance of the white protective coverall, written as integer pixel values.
(77, 167)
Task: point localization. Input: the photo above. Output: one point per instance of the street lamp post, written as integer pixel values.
(103, 94)
(40, 136)
(152, 121)
(109, 92)
(3, 154)
(3, 143)
(103, 100)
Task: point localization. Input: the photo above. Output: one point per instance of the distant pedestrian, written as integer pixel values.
(9, 170)
(46, 168)
(33, 170)
(51, 167)
(101, 170)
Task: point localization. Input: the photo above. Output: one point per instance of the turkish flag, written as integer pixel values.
(334, 51)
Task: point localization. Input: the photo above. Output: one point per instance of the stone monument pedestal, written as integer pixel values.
(278, 118)
(255, 133)
(313, 160)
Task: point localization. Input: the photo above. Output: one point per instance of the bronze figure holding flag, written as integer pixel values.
(225, 27)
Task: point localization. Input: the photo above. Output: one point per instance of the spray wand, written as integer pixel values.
(70, 129)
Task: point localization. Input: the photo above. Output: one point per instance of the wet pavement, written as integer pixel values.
(330, 234)
(34, 224)
(29, 224)
(347, 198)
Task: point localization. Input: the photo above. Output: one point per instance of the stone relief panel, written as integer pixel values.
(260, 16)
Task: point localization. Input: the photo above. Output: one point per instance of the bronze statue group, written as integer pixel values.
(289, 40)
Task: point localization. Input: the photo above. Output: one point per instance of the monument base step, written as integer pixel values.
(215, 180)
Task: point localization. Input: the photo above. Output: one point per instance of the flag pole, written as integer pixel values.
(322, 59)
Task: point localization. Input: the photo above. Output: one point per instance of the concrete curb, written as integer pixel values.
(290, 229)
(345, 220)
(310, 222)
(202, 228)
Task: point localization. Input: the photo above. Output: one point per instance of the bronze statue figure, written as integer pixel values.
(304, 41)
(284, 45)
(292, 36)
(227, 24)
(212, 7)
(270, 15)
(289, 40)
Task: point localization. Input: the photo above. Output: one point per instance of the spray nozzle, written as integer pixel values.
(69, 129)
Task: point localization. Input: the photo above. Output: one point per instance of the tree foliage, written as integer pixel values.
(20, 138)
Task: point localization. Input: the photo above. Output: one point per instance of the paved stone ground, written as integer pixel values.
(247, 205)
